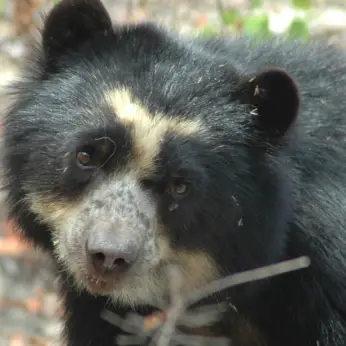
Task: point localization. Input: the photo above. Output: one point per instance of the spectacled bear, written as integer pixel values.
(130, 149)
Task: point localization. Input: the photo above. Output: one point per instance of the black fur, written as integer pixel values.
(267, 182)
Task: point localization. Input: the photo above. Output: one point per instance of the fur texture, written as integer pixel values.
(218, 155)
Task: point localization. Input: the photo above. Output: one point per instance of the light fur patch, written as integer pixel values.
(197, 268)
(52, 211)
(147, 130)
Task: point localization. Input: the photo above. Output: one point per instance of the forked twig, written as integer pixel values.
(161, 327)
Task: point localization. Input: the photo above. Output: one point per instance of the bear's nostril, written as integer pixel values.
(108, 263)
(106, 258)
(99, 256)
(109, 252)
(119, 262)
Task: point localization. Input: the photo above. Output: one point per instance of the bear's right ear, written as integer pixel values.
(274, 98)
(72, 23)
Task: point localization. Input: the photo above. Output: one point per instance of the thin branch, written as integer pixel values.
(162, 325)
(247, 276)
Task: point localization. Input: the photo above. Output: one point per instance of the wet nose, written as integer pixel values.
(109, 255)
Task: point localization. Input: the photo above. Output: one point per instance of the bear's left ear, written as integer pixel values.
(70, 24)
(274, 101)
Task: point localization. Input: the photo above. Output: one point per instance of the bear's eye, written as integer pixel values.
(83, 159)
(179, 188)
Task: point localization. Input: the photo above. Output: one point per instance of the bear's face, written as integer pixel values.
(125, 195)
(139, 152)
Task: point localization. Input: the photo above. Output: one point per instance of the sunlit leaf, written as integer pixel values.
(298, 29)
(257, 25)
(302, 4)
(256, 3)
(230, 17)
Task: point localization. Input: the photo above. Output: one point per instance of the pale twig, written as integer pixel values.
(203, 315)
(177, 306)
(247, 276)
(122, 323)
(177, 313)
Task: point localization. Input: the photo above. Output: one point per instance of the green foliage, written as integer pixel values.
(257, 25)
(298, 29)
(302, 4)
(208, 31)
(256, 4)
(230, 17)
(256, 22)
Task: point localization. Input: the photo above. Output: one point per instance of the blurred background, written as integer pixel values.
(29, 307)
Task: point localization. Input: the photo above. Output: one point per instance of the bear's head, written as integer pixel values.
(131, 149)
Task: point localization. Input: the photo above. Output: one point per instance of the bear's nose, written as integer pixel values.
(109, 255)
